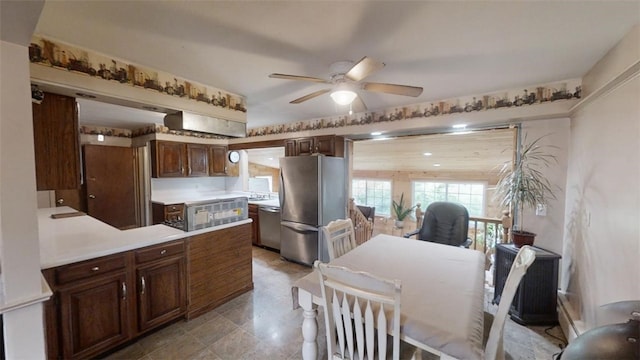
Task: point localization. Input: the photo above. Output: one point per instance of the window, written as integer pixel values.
(373, 193)
(471, 195)
(269, 180)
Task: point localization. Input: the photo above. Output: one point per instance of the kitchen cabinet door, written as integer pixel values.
(94, 316)
(56, 143)
(329, 145)
(168, 159)
(161, 291)
(305, 146)
(255, 225)
(218, 160)
(75, 198)
(198, 160)
(290, 147)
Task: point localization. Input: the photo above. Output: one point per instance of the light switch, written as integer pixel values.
(541, 210)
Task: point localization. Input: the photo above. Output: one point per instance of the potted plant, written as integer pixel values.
(401, 212)
(523, 185)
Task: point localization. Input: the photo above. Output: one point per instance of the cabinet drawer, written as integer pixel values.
(159, 252)
(174, 208)
(85, 269)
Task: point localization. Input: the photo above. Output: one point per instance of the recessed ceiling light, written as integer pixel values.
(270, 158)
(376, 133)
(459, 126)
(428, 154)
(380, 138)
(436, 165)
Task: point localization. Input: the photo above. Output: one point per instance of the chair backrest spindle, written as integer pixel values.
(358, 306)
(340, 237)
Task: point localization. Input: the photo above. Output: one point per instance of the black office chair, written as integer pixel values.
(445, 223)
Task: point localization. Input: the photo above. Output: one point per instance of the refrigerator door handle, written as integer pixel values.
(281, 186)
(299, 227)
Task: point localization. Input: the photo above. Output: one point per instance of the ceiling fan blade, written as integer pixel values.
(358, 105)
(363, 68)
(405, 90)
(297, 77)
(309, 96)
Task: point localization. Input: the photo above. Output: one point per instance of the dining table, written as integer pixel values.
(442, 299)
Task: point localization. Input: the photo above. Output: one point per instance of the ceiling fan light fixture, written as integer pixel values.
(343, 97)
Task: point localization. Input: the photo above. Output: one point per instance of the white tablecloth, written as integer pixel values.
(442, 290)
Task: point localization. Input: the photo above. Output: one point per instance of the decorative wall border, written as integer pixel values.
(531, 95)
(151, 129)
(65, 57)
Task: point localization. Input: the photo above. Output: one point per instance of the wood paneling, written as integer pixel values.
(255, 225)
(220, 268)
(479, 151)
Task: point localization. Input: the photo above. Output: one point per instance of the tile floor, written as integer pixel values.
(261, 324)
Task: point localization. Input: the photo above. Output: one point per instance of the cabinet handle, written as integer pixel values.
(124, 291)
(182, 169)
(95, 268)
(164, 251)
(91, 196)
(143, 285)
(189, 170)
(60, 201)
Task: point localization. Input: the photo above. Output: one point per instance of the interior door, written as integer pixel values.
(111, 187)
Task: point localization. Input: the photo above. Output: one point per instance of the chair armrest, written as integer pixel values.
(410, 234)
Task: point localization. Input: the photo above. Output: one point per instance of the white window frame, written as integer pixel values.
(424, 206)
(379, 210)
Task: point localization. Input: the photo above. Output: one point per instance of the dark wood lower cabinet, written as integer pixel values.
(102, 303)
(161, 292)
(94, 316)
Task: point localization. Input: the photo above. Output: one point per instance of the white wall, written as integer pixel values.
(20, 255)
(549, 228)
(602, 232)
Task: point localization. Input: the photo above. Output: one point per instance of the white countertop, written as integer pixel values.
(187, 197)
(68, 240)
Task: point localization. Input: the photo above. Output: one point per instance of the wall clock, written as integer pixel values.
(234, 156)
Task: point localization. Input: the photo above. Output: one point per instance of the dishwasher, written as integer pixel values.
(269, 226)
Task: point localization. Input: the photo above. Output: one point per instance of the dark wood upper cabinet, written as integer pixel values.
(56, 143)
(198, 160)
(328, 145)
(218, 160)
(177, 159)
(168, 159)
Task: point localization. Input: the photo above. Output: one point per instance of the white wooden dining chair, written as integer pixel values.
(340, 237)
(360, 309)
(494, 349)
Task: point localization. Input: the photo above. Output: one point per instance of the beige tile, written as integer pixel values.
(213, 330)
(204, 354)
(181, 347)
(235, 345)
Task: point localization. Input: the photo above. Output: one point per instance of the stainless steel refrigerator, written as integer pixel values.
(312, 194)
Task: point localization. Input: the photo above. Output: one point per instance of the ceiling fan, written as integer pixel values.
(346, 77)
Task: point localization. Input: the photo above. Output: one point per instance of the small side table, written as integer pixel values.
(535, 301)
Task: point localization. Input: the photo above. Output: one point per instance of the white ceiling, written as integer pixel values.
(451, 48)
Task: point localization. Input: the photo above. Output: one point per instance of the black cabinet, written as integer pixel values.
(536, 298)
